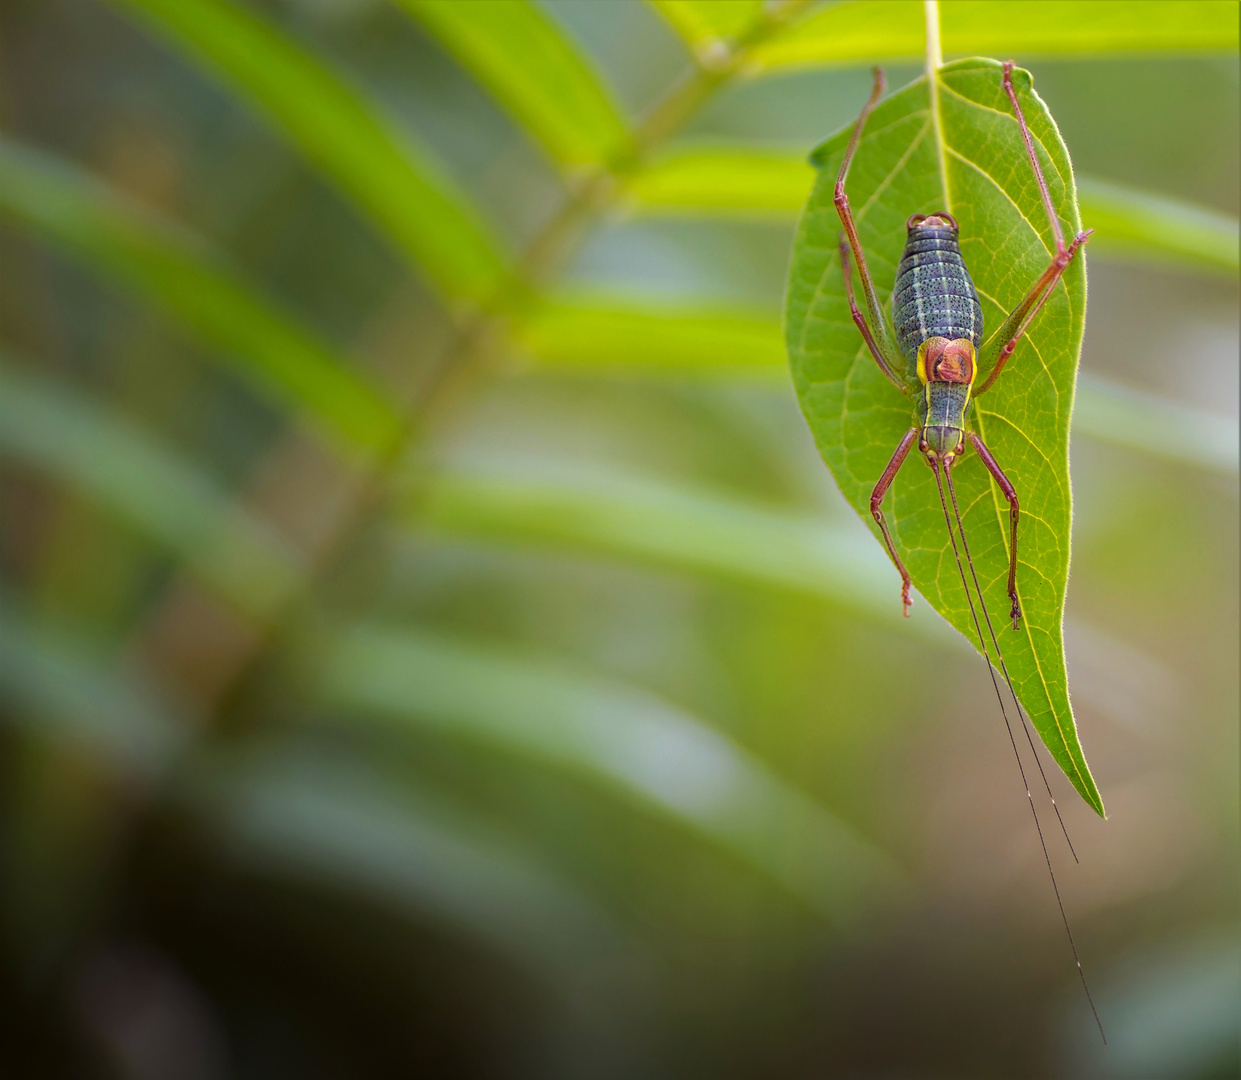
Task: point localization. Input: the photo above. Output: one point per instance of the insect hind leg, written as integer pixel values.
(1014, 514)
(1023, 314)
(1028, 139)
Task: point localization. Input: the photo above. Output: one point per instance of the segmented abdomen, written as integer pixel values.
(934, 296)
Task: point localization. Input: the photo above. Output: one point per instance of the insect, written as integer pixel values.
(932, 350)
(939, 330)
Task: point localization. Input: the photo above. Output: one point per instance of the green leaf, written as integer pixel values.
(53, 428)
(594, 335)
(535, 72)
(858, 418)
(61, 686)
(641, 746)
(409, 200)
(607, 511)
(707, 24)
(181, 275)
(1052, 27)
(724, 180)
(863, 32)
(1141, 226)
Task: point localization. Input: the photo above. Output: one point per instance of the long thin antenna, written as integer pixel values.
(1011, 738)
(969, 559)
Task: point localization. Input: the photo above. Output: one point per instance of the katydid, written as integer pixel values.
(932, 349)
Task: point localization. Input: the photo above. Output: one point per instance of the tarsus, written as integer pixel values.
(969, 596)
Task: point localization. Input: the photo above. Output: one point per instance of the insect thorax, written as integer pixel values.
(934, 295)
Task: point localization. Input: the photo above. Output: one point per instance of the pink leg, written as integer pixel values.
(1032, 303)
(860, 321)
(876, 498)
(1014, 512)
(1023, 314)
(884, 346)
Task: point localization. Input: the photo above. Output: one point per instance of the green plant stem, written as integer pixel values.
(934, 53)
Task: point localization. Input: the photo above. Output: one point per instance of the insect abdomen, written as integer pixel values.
(934, 295)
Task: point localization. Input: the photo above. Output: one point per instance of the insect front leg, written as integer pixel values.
(1014, 512)
(876, 499)
(1002, 343)
(878, 334)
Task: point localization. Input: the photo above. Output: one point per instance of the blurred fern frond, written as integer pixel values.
(405, 512)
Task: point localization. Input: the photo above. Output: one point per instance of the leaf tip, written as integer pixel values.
(1093, 799)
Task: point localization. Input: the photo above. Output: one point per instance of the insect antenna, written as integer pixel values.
(969, 560)
(969, 596)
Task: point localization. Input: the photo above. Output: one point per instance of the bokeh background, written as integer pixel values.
(412, 666)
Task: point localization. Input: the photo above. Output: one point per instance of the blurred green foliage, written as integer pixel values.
(429, 642)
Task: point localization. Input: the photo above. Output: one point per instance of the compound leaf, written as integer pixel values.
(964, 155)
